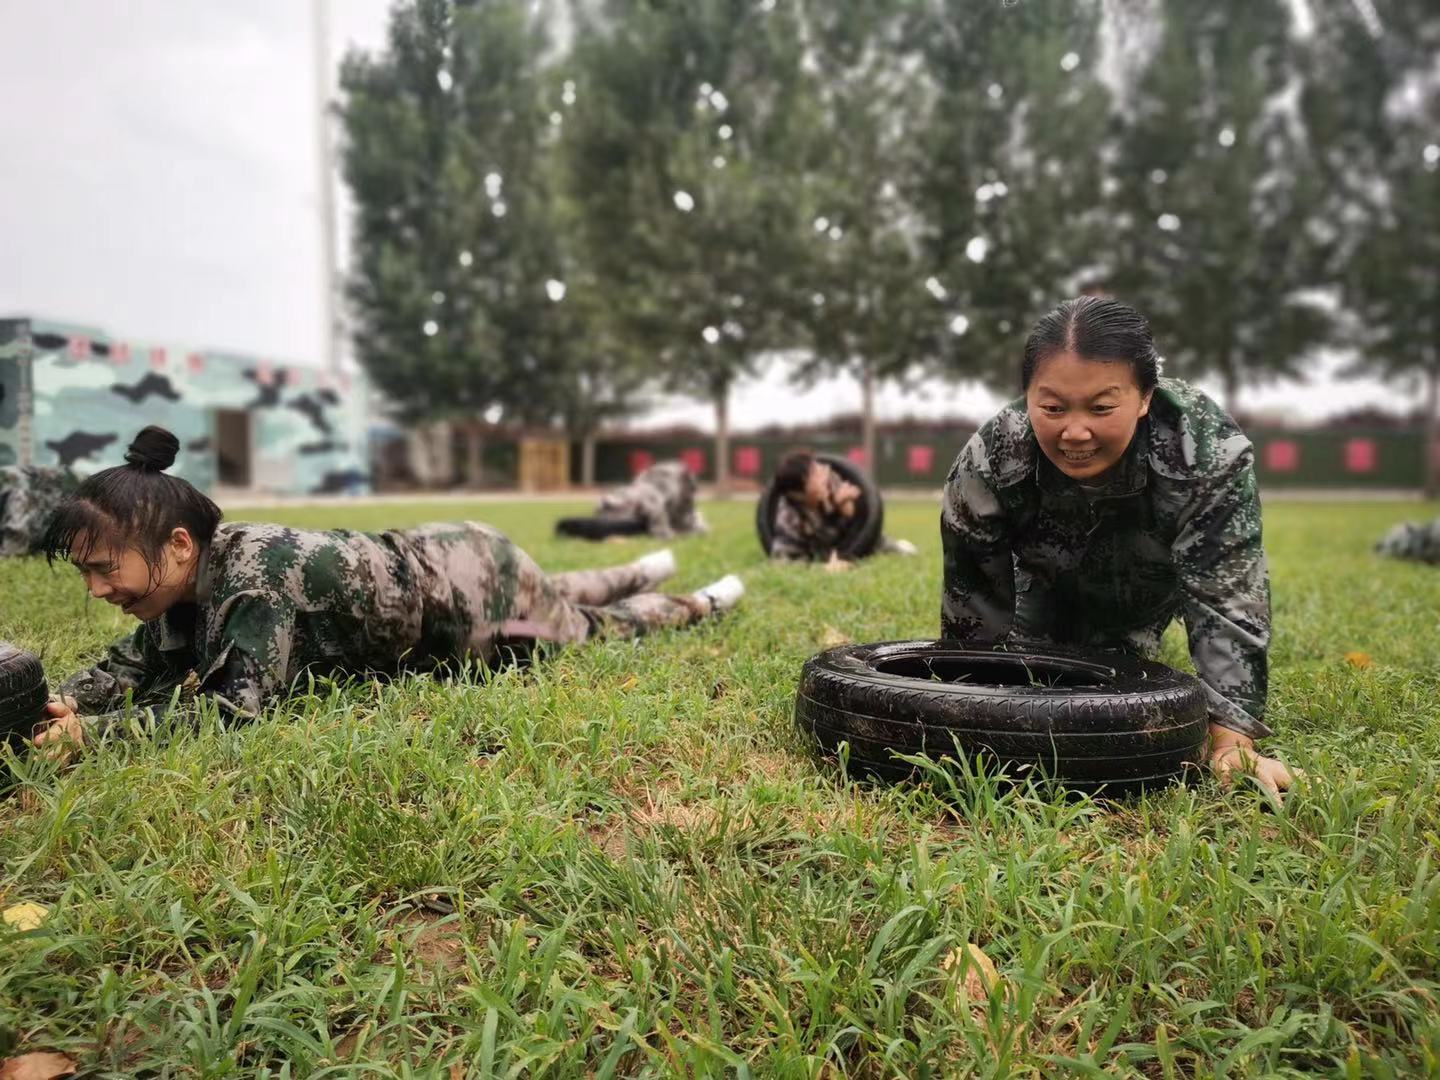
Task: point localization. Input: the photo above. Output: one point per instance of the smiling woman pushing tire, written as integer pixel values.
(1092, 720)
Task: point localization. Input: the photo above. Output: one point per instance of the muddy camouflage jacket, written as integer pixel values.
(1173, 530)
(663, 497)
(273, 602)
(28, 495)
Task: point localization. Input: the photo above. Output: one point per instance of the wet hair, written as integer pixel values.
(1094, 328)
(132, 506)
(793, 470)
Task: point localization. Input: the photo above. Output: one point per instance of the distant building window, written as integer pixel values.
(693, 459)
(920, 460)
(1361, 455)
(747, 461)
(640, 460)
(1282, 455)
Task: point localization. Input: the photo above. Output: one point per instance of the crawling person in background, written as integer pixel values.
(251, 608)
(1411, 540)
(815, 513)
(1104, 504)
(28, 495)
(660, 502)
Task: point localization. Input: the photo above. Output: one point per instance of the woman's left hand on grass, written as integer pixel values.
(1233, 754)
(65, 734)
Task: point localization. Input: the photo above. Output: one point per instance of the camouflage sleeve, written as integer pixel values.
(977, 599)
(1221, 565)
(250, 670)
(132, 664)
(787, 538)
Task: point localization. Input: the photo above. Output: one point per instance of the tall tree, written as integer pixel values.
(677, 158)
(1216, 195)
(1372, 106)
(460, 285)
(858, 287)
(1011, 188)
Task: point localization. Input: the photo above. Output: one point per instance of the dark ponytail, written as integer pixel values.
(135, 505)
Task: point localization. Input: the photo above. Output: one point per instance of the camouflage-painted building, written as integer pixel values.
(73, 395)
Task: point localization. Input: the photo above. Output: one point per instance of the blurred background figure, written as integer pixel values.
(28, 495)
(660, 502)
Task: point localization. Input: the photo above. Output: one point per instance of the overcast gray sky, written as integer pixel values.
(160, 180)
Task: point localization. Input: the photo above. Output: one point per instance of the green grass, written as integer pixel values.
(650, 875)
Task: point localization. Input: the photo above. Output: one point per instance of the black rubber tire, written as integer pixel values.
(1107, 720)
(23, 694)
(591, 528)
(865, 531)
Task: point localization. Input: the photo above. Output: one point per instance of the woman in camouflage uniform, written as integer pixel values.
(250, 608)
(815, 512)
(1105, 503)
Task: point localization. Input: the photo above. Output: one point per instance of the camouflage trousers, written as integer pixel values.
(491, 596)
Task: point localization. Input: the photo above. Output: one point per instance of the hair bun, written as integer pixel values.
(153, 450)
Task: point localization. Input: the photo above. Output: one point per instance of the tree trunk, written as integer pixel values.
(1432, 433)
(722, 442)
(442, 454)
(867, 417)
(1230, 384)
(587, 460)
(418, 453)
(474, 457)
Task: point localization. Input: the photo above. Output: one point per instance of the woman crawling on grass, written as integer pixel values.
(250, 608)
(1104, 504)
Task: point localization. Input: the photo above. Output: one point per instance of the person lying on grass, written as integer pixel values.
(1105, 503)
(815, 512)
(248, 608)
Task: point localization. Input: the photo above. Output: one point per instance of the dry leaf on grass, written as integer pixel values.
(833, 639)
(41, 1066)
(26, 916)
(980, 974)
(630, 683)
(1359, 659)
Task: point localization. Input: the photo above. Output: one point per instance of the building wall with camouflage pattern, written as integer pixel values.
(74, 395)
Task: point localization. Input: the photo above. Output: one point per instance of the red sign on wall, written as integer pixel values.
(693, 458)
(79, 347)
(920, 459)
(747, 461)
(1361, 455)
(857, 455)
(1282, 455)
(119, 353)
(640, 460)
(157, 358)
(195, 362)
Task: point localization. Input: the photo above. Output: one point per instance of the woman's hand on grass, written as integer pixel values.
(65, 734)
(1233, 754)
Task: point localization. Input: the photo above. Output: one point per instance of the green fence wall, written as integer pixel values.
(1316, 458)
